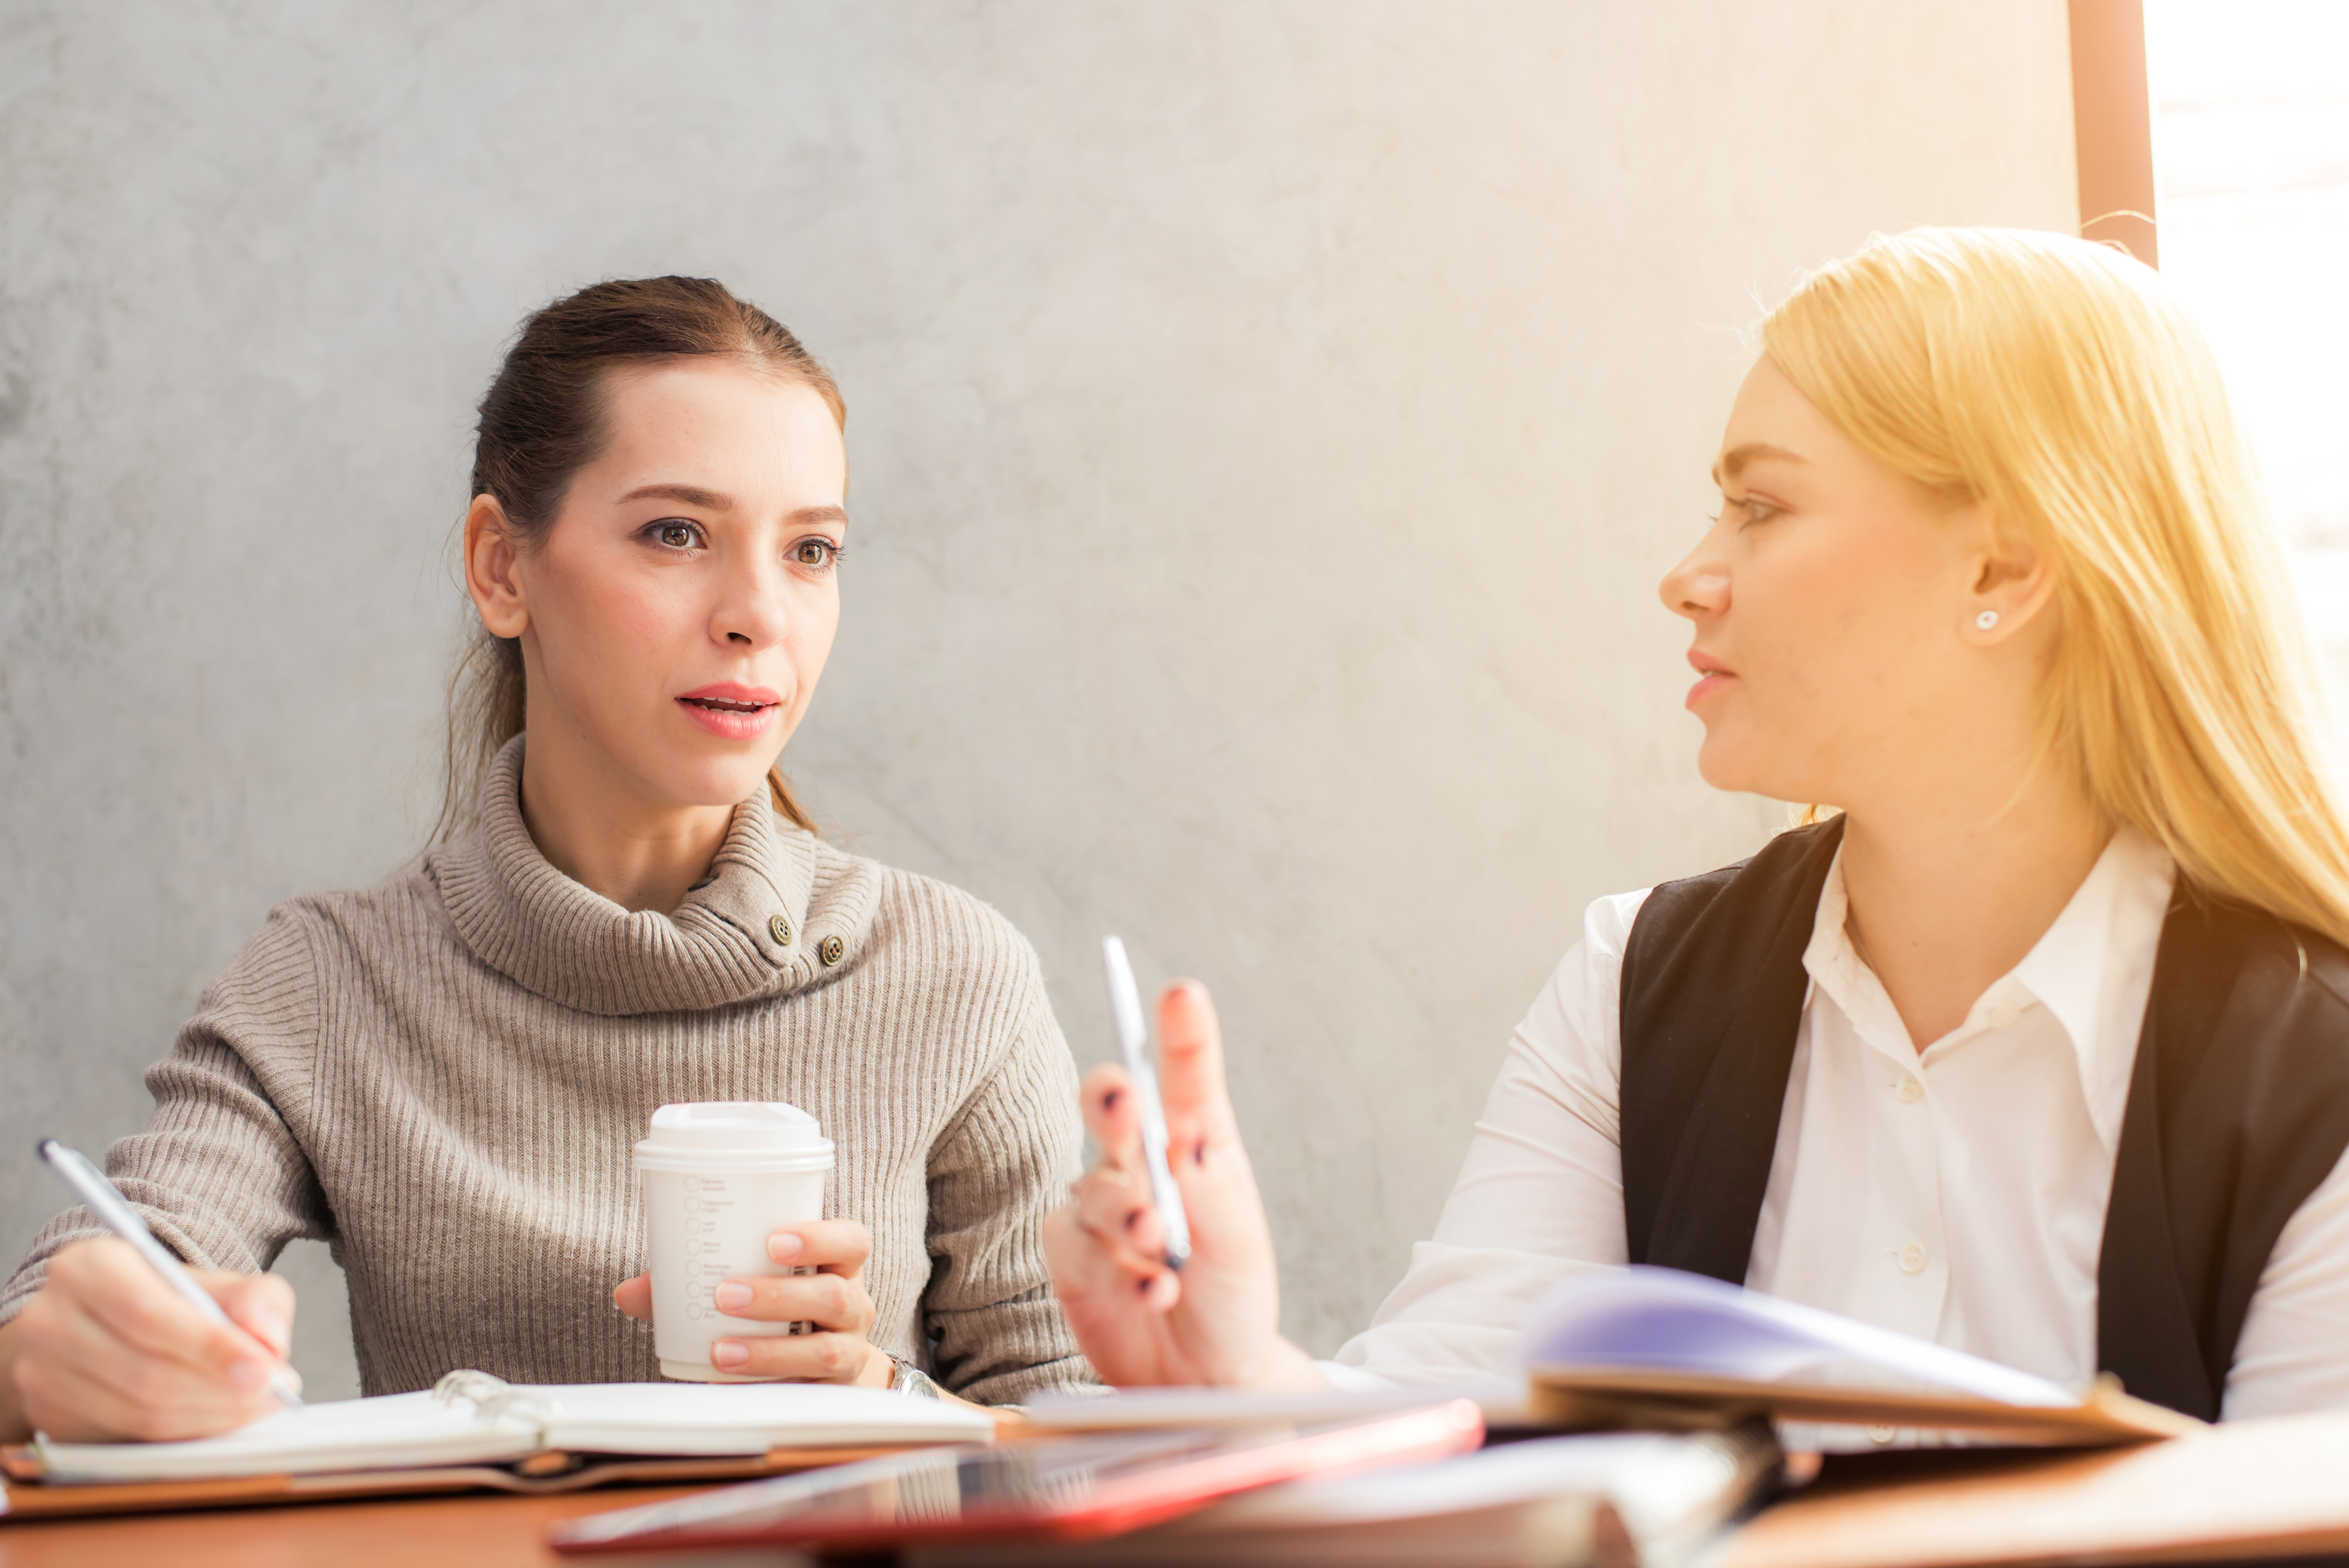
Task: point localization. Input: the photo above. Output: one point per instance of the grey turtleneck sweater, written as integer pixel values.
(442, 1077)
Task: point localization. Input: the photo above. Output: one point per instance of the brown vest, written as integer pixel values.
(2238, 1108)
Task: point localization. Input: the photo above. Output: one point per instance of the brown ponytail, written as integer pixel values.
(541, 423)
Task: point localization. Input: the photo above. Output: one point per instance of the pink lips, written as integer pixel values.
(1712, 676)
(732, 711)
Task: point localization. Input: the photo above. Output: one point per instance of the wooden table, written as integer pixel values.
(2275, 1490)
(2272, 1491)
(435, 1531)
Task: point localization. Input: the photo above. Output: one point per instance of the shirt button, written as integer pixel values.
(779, 928)
(1912, 1258)
(1882, 1435)
(1910, 1092)
(2004, 1017)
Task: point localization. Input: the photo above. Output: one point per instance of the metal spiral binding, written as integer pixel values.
(496, 1398)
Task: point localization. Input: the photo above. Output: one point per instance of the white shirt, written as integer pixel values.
(1955, 1195)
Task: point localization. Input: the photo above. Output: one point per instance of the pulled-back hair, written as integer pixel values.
(542, 421)
(2055, 380)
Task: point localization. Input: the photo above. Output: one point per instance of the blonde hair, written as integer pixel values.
(2053, 379)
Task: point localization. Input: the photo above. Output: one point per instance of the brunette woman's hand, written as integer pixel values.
(1139, 1321)
(106, 1352)
(832, 1298)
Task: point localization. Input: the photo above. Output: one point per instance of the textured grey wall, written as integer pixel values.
(1269, 421)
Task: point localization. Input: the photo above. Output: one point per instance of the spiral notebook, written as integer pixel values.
(478, 1431)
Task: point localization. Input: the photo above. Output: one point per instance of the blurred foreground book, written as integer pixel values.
(1658, 1349)
(1615, 1499)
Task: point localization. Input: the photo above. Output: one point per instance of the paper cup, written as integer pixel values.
(719, 1178)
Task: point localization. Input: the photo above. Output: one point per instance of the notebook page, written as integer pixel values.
(486, 1421)
(389, 1431)
(710, 1418)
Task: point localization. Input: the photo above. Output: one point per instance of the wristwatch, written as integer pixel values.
(910, 1381)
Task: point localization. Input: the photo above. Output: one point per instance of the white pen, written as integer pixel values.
(1134, 1043)
(113, 1211)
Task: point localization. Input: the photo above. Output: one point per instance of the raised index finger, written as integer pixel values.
(1191, 1066)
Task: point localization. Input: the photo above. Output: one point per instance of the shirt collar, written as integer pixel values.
(2092, 969)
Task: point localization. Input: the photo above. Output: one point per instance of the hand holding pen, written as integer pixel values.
(1142, 1319)
(122, 1341)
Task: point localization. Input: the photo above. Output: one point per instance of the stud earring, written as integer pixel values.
(1986, 620)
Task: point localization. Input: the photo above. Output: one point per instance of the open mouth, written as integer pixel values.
(731, 712)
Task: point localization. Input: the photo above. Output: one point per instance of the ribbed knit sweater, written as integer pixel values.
(442, 1076)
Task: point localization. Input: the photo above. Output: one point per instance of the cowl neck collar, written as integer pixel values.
(740, 934)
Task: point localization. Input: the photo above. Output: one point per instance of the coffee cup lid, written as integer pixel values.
(764, 1130)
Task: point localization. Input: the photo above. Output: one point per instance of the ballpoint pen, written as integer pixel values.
(1134, 1043)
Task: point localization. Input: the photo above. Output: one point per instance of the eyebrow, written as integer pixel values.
(715, 501)
(1734, 460)
(691, 495)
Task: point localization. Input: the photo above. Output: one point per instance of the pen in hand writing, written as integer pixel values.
(113, 1211)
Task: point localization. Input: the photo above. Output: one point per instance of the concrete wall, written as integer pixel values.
(1269, 421)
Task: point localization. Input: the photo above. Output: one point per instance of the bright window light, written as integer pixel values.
(2251, 111)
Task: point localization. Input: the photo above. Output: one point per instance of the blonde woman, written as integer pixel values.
(2039, 1047)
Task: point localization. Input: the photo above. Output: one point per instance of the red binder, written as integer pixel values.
(1065, 1487)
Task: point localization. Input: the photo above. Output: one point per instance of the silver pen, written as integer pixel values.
(113, 1211)
(1134, 1043)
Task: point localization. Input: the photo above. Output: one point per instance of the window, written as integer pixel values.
(2251, 138)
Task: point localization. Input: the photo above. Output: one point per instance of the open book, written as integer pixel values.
(1651, 1347)
(476, 1430)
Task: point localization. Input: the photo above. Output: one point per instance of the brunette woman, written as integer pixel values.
(2040, 1047)
(443, 1076)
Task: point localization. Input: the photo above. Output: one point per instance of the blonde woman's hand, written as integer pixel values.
(105, 1351)
(834, 1298)
(1218, 1320)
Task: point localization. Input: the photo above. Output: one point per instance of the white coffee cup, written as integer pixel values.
(719, 1178)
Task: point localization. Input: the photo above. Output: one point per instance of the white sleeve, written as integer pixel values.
(1540, 1195)
(2294, 1353)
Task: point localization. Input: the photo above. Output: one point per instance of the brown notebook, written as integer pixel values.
(475, 1432)
(25, 1495)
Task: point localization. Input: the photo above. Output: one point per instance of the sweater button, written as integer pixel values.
(779, 928)
(831, 950)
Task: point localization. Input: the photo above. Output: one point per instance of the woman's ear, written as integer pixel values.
(2012, 583)
(490, 577)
